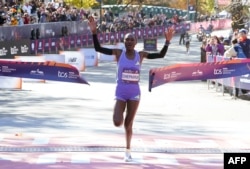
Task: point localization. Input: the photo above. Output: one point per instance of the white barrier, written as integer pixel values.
(90, 56)
(104, 57)
(10, 82)
(74, 58)
(31, 59)
(54, 57)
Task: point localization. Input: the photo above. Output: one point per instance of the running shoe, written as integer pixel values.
(127, 157)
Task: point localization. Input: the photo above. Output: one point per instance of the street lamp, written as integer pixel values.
(100, 1)
(196, 10)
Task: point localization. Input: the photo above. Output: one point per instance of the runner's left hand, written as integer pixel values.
(169, 33)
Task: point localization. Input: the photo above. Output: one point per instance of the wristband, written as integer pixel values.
(167, 43)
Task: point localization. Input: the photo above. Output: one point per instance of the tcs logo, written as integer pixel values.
(218, 71)
(62, 74)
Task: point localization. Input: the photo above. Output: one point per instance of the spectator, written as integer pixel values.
(182, 35)
(202, 29)
(203, 51)
(187, 42)
(26, 18)
(33, 7)
(235, 51)
(215, 47)
(2, 16)
(27, 8)
(19, 19)
(244, 42)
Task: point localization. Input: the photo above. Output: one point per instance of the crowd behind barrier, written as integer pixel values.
(51, 40)
(25, 15)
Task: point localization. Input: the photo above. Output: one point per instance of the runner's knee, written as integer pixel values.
(117, 120)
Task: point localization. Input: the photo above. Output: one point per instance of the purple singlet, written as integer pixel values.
(128, 76)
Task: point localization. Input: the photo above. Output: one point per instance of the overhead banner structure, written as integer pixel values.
(198, 71)
(41, 70)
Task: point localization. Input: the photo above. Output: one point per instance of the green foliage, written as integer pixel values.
(110, 2)
(81, 3)
(206, 6)
(238, 12)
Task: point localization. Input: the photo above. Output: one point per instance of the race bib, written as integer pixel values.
(130, 76)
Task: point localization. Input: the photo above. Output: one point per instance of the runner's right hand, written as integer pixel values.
(92, 24)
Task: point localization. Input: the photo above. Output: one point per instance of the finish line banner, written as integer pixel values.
(41, 70)
(198, 71)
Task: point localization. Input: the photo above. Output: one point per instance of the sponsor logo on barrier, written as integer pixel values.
(24, 49)
(13, 50)
(149, 32)
(218, 71)
(78, 41)
(197, 73)
(171, 75)
(39, 45)
(32, 46)
(223, 71)
(167, 76)
(62, 74)
(7, 69)
(16, 48)
(53, 43)
(3, 51)
(72, 60)
(70, 75)
(36, 72)
(228, 71)
(89, 57)
(46, 44)
(246, 75)
(245, 80)
(175, 74)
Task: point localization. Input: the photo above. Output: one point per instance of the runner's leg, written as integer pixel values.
(132, 106)
(118, 112)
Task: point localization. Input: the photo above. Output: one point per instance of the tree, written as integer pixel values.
(142, 2)
(81, 3)
(180, 4)
(206, 6)
(239, 13)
